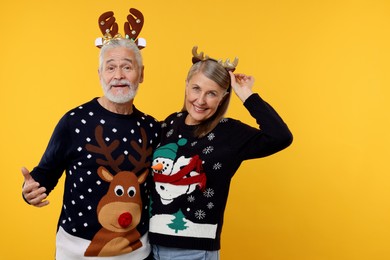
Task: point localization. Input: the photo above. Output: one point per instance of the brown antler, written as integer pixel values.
(134, 24)
(197, 57)
(143, 151)
(107, 24)
(105, 150)
(228, 64)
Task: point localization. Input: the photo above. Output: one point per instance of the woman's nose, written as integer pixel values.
(202, 98)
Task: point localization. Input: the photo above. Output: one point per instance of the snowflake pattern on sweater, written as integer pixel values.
(192, 175)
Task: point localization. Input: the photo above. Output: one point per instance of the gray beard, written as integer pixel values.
(120, 99)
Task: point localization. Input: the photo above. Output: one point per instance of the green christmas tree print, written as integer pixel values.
(178, 222)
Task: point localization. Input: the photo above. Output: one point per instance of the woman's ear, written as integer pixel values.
(186, 86)
(225, 96)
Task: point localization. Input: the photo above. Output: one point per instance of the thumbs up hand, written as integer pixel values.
(32, 192)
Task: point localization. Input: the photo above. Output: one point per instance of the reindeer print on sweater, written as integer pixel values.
(119, 211)
(106, 158)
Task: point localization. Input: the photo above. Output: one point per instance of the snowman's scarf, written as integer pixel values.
(180, 178)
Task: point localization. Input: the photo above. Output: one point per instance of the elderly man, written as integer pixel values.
(104, 146)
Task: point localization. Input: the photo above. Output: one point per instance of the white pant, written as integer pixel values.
(69, 247)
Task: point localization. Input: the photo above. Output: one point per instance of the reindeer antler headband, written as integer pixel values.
(132, 28)
(227, 64)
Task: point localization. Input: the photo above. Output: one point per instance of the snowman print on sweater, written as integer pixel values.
(173, 176)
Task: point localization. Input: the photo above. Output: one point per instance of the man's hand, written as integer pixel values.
(32, 193)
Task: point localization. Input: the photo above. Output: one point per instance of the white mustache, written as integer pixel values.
(120, 82)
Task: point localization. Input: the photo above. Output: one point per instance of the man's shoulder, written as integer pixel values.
(145, 116)
(87, 106)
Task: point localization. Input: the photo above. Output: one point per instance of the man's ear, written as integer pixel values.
(141, 78)
(99, 74)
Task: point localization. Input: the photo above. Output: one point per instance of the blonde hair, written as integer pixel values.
(217, 73)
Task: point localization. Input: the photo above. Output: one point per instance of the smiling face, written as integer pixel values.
(203, 97)
(120, 74)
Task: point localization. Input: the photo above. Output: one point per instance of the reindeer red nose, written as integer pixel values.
(125, 219)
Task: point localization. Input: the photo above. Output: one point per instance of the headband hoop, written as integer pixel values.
(227, 64)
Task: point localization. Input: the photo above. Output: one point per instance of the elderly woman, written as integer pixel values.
(199, 153)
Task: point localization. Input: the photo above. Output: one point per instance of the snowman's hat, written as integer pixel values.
(169, 151)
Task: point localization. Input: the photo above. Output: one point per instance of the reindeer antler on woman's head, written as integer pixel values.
(227, 64)
(132, 28)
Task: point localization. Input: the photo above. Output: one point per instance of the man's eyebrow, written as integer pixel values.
(125, 59)
(129, 60)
